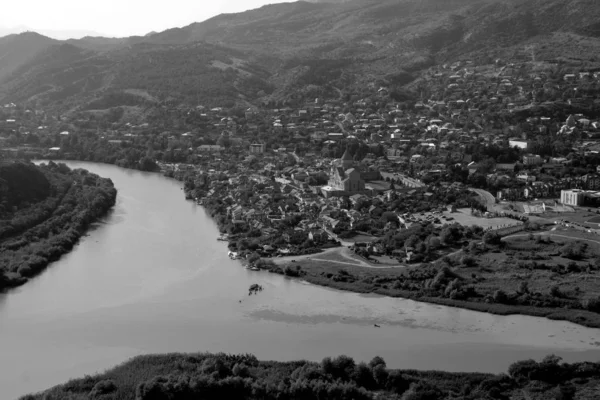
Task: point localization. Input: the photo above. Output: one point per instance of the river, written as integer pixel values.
(151, 277)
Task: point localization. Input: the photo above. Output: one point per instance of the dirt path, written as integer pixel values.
(554, 234)
(342, 251)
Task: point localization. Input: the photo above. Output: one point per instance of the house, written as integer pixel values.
(506, 167)
(258, 148)
(591, 181)
(472, 167)
(532, 159)
(522, 144)
(526, 178)
(209, 148)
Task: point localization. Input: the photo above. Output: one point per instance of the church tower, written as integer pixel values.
(346, 160)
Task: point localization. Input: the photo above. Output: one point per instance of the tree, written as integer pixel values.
(377, 361)
(468, 262)
(397, 383)
(523, 288)
(147, 164)
(422, 391)
(500, 296)
(224, 141)
(363, 376)
(492, 238)
(380, 374)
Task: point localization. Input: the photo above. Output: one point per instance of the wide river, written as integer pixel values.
(151, 277)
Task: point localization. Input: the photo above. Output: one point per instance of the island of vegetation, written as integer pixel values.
(222, 376)
(44, 210)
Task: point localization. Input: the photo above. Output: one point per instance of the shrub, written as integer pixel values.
(500, 297)
(555, 291)
(103, 387)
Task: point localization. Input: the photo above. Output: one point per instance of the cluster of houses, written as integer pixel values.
(434, 139)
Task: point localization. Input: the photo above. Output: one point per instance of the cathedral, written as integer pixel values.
(344, 178)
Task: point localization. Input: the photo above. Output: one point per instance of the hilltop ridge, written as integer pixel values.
(282, 51)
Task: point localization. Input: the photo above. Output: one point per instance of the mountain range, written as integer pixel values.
(290, 51)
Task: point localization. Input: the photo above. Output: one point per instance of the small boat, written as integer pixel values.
(376, 326)
(254, 269)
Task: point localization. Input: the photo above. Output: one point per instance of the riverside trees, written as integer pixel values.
(39, 226)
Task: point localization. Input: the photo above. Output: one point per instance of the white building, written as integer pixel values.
(522, 144)
(572, 197)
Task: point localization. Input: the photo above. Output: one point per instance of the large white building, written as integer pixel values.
(522, 144)
(572, 197)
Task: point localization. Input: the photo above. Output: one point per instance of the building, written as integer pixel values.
(258, 148)
(591, 181)
(572, 197)
(344, 179)
(522, 144)
(532, 159)
(209, 148)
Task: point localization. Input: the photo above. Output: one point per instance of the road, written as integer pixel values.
(395, 175)
(553, 234)
(343, 251)
(489, 199)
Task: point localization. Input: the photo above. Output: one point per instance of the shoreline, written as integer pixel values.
(67, 243)
(578, 317)
(583, 318)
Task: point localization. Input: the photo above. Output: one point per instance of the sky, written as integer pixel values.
(114, 18)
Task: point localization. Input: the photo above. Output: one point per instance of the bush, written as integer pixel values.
(500, 296)
(422, 391)
(102, 388)
(592, 305)
(492, 238)
(555, 291)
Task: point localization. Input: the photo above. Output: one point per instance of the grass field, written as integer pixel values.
(542, 264)
(463, 216)
(558, 285)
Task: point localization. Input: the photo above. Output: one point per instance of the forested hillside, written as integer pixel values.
(43, 212)
(220, 376)
(290, 51)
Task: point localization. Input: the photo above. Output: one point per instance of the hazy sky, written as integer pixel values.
(116, 17)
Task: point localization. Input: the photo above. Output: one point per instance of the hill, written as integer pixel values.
(16, 50)
(295, 50)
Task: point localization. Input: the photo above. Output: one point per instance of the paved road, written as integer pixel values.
(489, 199)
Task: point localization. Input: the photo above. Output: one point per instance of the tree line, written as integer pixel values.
(36, 231)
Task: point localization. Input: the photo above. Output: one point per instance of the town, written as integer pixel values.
(463, 156)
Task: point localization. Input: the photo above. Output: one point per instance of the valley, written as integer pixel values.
(414, 178)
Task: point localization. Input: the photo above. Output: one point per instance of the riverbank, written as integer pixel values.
(48, 225)
(222, 376)
(340, 282)
(473, 286)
